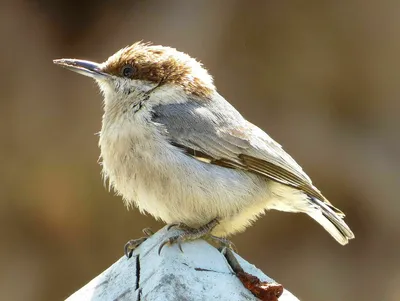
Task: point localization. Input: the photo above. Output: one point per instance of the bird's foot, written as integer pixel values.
(188, 233)
(131, 245)
(222, 243)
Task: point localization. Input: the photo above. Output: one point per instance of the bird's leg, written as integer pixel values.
(131, 245)
(188, 233)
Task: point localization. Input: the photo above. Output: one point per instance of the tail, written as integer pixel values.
(331, 219)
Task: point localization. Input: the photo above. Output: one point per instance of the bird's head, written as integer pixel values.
(136, 71)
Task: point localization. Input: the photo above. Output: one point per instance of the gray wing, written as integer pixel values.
(214, 132)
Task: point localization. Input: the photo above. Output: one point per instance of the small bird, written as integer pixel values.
(175, 148)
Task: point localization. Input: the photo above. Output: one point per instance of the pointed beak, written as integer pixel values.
(86, 68)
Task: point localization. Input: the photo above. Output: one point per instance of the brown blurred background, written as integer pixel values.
(321, 77)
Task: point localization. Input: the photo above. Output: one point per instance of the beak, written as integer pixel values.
(86, 68)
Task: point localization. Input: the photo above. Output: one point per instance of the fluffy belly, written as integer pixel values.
(178, 188)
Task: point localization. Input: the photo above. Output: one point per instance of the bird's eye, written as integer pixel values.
(128, 71)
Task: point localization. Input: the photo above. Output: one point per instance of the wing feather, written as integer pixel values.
(214, 132)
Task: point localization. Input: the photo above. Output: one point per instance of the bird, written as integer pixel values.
(173, 147)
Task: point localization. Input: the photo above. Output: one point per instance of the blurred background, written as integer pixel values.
(321, 77)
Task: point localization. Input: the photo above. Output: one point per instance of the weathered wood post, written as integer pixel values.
(201, 272)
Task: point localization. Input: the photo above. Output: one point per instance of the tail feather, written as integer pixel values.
(332, 220)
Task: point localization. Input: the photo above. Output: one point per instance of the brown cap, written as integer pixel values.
(162, 65)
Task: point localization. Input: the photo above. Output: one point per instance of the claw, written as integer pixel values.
(170, 241)
(127, 250)
(147, 231)
(131, 246)
(180, 245)
(170, 226)
(162, 246)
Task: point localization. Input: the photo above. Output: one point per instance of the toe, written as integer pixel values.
(176, 225)
(147, 231)
(132, 245)
(165, 242)
(127, 250)
(170, 241)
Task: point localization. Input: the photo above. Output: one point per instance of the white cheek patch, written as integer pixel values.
(117, 89)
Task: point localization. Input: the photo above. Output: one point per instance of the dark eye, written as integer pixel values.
(128, 71)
